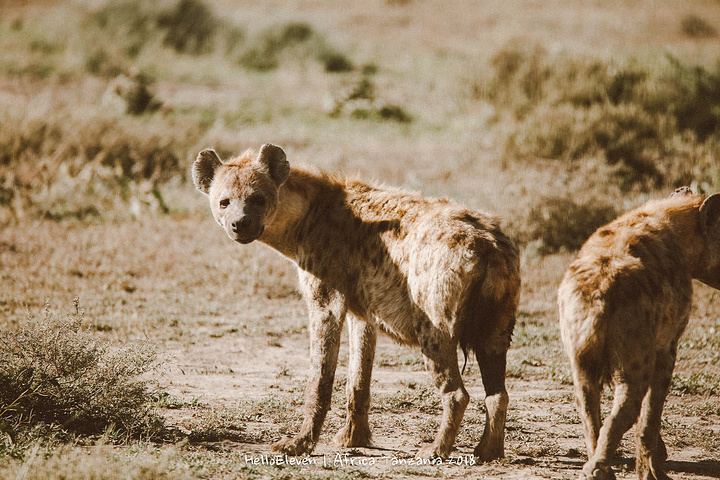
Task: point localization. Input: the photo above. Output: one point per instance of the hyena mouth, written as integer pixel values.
(248, 238)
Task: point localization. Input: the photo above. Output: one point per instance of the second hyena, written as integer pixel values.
(426, 272)
(624, 302)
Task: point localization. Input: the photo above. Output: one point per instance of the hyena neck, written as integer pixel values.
(684, 220)
(295, 198)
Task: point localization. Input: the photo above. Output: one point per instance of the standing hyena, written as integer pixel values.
(624, 302)
(426, 272)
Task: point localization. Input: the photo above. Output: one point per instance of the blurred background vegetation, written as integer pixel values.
(105, 103)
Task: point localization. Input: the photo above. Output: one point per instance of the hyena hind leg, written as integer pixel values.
(629, 393)
(492, 369)
(588, 392)
(651, 451)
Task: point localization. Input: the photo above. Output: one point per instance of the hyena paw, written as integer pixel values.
(487, 451)
(431, 452)
(651, 468)
(596, 471)
(294, 446)
(353, 436)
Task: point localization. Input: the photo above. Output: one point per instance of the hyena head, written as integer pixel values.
(709, 269)
(243, 191)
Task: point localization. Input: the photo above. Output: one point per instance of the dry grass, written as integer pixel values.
(556, 115)
(60, 381)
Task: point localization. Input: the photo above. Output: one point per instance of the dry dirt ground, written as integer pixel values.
(231, 330)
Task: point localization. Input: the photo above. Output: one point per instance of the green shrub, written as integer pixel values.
(360, 101)
(190, 27)
(265, 53)
(267, 50)
(695, 98)
(335, 62)
(117, 33)
(696, 27)
(56, 373)
(645, 118)
(125, 25)
(559, 223)
(518, 79)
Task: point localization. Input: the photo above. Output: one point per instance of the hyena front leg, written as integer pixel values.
(327, 315)
(440, 353)
(362, 339)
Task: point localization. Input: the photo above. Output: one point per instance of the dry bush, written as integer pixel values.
(297, 39)
(126, 26)
(108, 38)
(650, 118)
(561, 223)
(189, 27)
(360, 100)
(55, 373)
(60, 164)
(697, 27)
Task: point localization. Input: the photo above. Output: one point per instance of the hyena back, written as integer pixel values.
(427, 272)
(624, 303)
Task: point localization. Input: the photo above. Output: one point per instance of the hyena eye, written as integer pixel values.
(257, 200)
(224, 202)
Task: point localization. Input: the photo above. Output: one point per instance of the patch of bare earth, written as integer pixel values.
(233, 331)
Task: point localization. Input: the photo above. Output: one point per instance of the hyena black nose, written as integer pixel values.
(240, 225)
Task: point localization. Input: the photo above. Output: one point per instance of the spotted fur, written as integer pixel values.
(624, 303)
(426, 272)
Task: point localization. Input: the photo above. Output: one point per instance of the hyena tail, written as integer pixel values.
(488, 313)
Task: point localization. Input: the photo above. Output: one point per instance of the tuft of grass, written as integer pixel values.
(103, 462)
(422, 397)
(131, 94)
(335, 62)
(55, 373)
(700, 383)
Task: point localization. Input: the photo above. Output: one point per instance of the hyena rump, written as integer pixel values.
(426, 272)
(624, 302)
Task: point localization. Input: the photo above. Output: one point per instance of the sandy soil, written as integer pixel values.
(544, 437)
(232, 329)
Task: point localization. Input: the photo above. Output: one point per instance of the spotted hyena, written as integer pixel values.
(426, 272)
(624, 302)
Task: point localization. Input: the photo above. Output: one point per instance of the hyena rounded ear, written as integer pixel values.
(273, 158)
(204, 168)
(710, 214)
